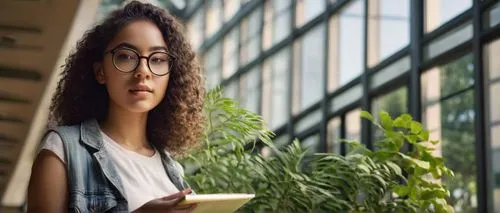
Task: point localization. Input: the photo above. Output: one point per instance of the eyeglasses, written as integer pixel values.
(127, 60)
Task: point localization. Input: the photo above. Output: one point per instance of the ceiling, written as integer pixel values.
(35, 37)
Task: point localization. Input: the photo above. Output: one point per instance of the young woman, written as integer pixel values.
(130, 97)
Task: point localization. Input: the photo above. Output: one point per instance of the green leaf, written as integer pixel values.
(385, 120)
(367, 115)
(401, 191)
(422, 164)
(416, 127)
(403, 121)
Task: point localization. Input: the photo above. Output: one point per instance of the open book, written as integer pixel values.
(219, 203)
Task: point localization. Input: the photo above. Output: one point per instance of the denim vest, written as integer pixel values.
(93, 183)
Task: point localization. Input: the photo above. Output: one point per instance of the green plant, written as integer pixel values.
(291, 180)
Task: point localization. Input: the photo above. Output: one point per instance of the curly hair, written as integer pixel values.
(176, 124)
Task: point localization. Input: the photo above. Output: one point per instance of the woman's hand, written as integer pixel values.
(168, 204)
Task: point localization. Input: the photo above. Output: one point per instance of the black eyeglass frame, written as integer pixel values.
(139, 56)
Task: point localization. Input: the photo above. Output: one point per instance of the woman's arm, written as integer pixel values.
(48, 186)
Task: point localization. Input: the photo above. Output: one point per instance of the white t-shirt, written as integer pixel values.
(144, 178)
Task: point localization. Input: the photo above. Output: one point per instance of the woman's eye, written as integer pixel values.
(125, 57)
(158, 60)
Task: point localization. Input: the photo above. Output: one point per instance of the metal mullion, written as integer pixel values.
(343, 133)
(365, 100)
(483, 194)
(291, 122)
(324, 102)
(416, 33)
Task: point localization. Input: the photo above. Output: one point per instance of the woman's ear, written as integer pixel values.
(99, 73)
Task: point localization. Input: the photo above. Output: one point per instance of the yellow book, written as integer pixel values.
(217, 203)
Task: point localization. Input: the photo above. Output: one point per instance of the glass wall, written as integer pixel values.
(448, 113)
(275, 102)
(345, 45)
(492, 68)
(306, 10)
(213, 20)
(250, 36)
(395, 103)
(438, 12)
(277, 21)
(279, 57)
(310, 54)
(388, 28)
(213, 65)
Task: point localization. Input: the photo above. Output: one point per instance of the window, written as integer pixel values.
(492, 16)
(230, 53)
(448, 113)
(449, 40)
(212, 64)
(333, 136)
(275, 102)
(353, 126)
(277, 21)
(231, 90)
(213, 18)
(438, 12)
(311, 143)
(346, 46)
(250, 89)
(307, 10)
(395, 103)
(310, 56)
(250, 36)
(194, 27)
(308, 121)
(390, 72)
(388, 28)
(492, 68)
(230, 8)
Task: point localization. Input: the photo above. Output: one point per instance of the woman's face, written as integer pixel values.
(137, 89)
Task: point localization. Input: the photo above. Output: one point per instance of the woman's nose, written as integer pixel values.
(142, 70)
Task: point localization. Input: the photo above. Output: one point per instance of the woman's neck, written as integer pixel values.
(126, 128)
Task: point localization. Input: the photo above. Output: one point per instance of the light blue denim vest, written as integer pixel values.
(93, 183)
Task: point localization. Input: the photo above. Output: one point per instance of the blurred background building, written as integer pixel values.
(307, 66)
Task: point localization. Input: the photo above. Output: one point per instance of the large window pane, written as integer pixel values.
(310, 52)
(346, 49)
(230, 53)
(275, 102)
(388, 28)
(492, 16)
(333, 136)
(353, 126)
(451, 120)
(308, 121)
(277, 21)
(448, 41)
(395, 103)
(492, 68)
(213, 20)
(194, 29)
(230, 8)
(445, 80)
(250, 90)
(306, 10)
(250, 36)
(311, 143)
(438, 12)
(390, 72)
(232, 91)
(212, 64)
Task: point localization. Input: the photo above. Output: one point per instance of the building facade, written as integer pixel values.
(310, 66)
